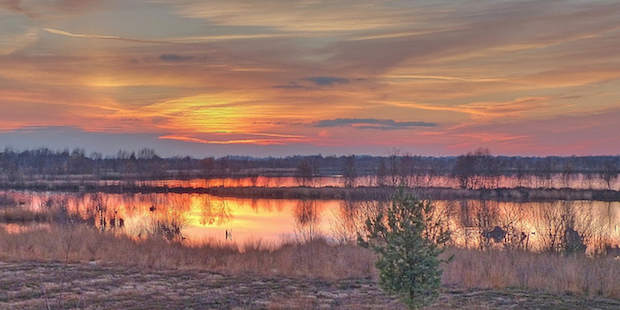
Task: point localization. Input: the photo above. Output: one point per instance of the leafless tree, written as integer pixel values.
(609, 173)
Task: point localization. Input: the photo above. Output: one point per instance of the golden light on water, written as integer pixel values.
(205, 218)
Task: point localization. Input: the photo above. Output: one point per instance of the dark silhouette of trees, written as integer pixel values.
(382, 173)
(304, 173)
(475, 170)
(465, 170)
(609, 173)
(207, 167)
(394, 165)
(349, 173)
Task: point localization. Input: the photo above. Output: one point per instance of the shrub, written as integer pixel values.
(408, 238)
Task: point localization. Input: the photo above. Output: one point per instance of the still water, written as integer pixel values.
(575, 181)
(195, 218)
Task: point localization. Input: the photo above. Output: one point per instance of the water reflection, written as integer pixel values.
(558, 180)
(546, 226)
(192, 217)
(307, 220)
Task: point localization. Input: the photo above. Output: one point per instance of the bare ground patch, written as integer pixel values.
(86, 286)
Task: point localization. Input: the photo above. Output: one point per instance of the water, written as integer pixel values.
(575, 181)
(201, 217)
(194, 218)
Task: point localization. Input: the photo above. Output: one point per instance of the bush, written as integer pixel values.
(408, 237)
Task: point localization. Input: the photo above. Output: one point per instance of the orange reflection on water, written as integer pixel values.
(200, 217)
(248, 220)
(256, 181)
(533, 226)
(575, 181)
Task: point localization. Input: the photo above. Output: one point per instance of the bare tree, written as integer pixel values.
(349, 172)
(381, 173)
(304, 172)
(307, 220)
(609, 173)
(394, 166)
(568, 171)
(558, 229)
(474, 170)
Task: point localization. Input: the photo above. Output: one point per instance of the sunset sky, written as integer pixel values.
(282, 77)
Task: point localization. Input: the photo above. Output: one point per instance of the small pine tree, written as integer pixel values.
(408, 237)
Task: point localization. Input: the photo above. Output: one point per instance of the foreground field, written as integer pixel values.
(91, 286)
(77, 266)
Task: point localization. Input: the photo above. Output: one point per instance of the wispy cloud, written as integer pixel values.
(194, 70)
(202, 141)
(516, 108)
(372, 123)
(174, 57)
(316, 16)
(17, 40)
(291, 85)
(327, 80)
(228, 138)
(105, 37)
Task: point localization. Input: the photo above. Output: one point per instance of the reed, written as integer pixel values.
(21, 215)
(81, 243)
(318, 258)
(553, 272)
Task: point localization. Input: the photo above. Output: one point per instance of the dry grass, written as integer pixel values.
(21, 215)
(80, 243)
(590, 276)
(470, 269)
(7, 200)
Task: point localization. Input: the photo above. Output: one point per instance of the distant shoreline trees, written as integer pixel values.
(474, 170)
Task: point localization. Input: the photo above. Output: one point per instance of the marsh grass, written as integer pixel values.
(81, 243)
(21, 215)
(552, 272)
(7, 200)
(470, 269)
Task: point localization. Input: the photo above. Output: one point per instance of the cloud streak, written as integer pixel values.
(371, 123)
(327, 80)
(436, 74)
(104, 37)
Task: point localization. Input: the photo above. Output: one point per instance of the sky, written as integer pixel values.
(281, 77)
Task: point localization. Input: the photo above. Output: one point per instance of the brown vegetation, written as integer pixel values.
(521, 194)
(21, 215)
(492, 269)
(80, 243)
(557, 273)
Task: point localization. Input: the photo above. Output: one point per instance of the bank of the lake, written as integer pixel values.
(517, 194)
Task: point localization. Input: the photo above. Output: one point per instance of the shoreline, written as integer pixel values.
(518, 194)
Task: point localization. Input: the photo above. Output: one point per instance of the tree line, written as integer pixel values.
(474, 170)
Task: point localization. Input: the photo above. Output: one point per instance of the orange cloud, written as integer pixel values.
(196, 140)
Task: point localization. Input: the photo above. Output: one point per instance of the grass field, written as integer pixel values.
(472, 278)
(32, 285)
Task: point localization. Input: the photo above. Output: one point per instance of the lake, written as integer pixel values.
(195, 218)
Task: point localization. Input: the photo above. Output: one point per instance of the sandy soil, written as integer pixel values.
(91, 286)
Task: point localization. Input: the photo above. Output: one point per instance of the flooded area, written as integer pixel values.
(196, 218)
